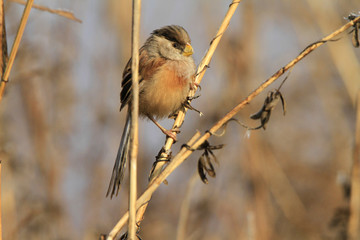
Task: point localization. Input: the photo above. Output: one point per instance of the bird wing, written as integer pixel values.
(147, 68)
(126, 85)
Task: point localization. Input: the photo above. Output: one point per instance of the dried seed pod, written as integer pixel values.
(205, 161)
(355, 38)
(355, 30)
(270, 102)
(201, 170)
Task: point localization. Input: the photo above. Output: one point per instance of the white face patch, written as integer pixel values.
(167, 50)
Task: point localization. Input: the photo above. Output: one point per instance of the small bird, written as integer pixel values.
(166, 73)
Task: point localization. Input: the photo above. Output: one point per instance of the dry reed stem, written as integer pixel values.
(275, 76)
(198, 77)
(62, 13)
(349, 67)
(15, 46)
(3, 58)
(354, 220)
(134, 130)
(3, 41)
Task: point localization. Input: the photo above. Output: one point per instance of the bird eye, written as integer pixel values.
(175, 45)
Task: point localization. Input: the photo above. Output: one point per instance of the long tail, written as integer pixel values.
(121, 159)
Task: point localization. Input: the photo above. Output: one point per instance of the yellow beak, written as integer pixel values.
(188, 50)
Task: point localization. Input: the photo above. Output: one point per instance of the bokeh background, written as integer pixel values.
(60, 125)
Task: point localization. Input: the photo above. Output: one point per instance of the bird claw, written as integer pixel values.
(175, 130)
(194, 86)
(170, 133)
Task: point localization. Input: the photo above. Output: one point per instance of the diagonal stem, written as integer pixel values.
(15, 46)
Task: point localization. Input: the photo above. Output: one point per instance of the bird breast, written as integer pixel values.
(166, 90)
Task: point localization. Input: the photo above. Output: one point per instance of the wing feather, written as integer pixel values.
(147, 68)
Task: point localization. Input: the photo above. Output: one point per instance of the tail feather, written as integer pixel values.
(121, 159)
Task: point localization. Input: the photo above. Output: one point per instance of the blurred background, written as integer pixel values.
(60, 124)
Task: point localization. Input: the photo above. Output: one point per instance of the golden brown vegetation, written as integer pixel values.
(59, 125)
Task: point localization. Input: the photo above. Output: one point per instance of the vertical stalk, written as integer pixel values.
(15, 46)
(3, 59)
(134, 118)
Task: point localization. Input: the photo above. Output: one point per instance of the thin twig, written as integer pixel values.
(63, 13)
(3, 42)
(134, 117)
(354, 220)
(15, 46)
(349, 68)
(3, 59)
(186, 152)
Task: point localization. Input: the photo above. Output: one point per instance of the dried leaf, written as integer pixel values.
(62, 13)
(270, 103)
(205, 161)
(209, 167)
(355, 38)
(213, 155)
(355, 30)
(201, 170)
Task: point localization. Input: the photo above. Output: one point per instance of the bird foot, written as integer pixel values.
(170, 133)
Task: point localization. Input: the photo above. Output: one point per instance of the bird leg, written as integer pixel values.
(169, 133)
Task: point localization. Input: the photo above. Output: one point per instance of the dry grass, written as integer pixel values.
(62, 13)
(3, 59)
(59, 128)
(134, 131)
